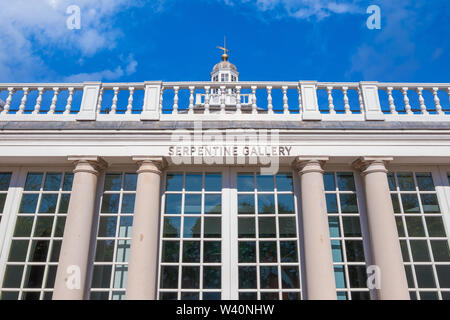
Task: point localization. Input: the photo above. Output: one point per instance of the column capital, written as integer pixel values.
(89, 164)
(309, 164)
(150, 164)
(368, 165)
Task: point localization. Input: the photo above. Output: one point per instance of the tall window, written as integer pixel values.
(191, 243)
(114, 237)
(34, 252)
(423, 239)
(346, 236)
(268, 257)
(5, 179)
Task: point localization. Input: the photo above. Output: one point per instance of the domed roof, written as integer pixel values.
(224, 65)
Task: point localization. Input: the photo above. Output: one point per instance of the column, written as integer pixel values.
(320, 283)
(74, 257)
(143, 262)
(384, 242)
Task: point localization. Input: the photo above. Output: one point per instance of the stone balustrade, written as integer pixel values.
(259, 101)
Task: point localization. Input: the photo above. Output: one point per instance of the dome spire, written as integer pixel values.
(224, 49)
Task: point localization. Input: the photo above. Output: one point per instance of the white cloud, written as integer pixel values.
(27, 25)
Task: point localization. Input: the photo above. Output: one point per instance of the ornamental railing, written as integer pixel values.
(219, 101)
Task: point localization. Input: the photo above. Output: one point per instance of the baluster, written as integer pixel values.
(161, 98)
(54, 100)
(24, 101)
(191, 100)
(406, 100)
(130, 101)
(269, 100)
(330, 100)
(222, 99)
(437, 101)
(346, 101)
(37, 107)
(175, 100)
(100, 101)
(300, 106)
(285, 100)
(114, 101)
(69, 101)
(207, 99)
(392, 108)
(238, 98)
(360, 101)
(8, 100)
(254, 108)
(423, 107)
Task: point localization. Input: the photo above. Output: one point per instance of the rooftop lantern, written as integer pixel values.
(224, 71)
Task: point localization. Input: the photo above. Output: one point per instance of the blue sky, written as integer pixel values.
(175, 40)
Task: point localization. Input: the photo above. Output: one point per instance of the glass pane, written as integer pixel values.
(23, 227)
(51, 275)
(287, 227)
(391, 181)
(395, 203)
(192, 227)
(171, 296)
(288, 251)
(64, 203)
(415, 226)
(43, 227)
(123, 250)
(190, 278)
(18, 251)
(48, 203)
(113, 182)
(169, 277)
(269, 296)
(355, 250)
(352, 227)
(34, 181)
(357, 276)
(193, 204)
(410, 203)
(266, 204)
(194, 182)
(128, 201)
(170, 251)
(5, 179)
(342, 296)
(60, 224)
(425, 277)
(52, 181)
(400, 227)
(425, 182)
(39, 250)
(435, 227)
(360, 296)
(213, 182)
(328, 180)
(247, 251)
(406, 181)
(68, 182)
(2, 202)
(99, 296)
(191, 251)
(104, 251)
(56, 249)
(34, 276)
(246, 182)
(443, 273)
(213, 204)
(267, 228)
(430, 203)
(336, 249)
(212, 278)
(333, 223)
(346, 182)
(247, 277)
(404, 247)
(212, 251)
(349, 204)
(212, 296)
(173, 204)
(248, 296)
(264, 183)
(172, 227)
(130, 182)
(107, 227)
(174, 182)
(331, 203)
(246, 204)
(290, 277)
(441, 251)
(246, 228)
(429, 296)
(419, 250)
(29, 203)
(190, 296)
(125, 227)
(286, 204)
(268, 251)
(268, 277)
(213, 228)
(101, 277)
(110, 203)
(284, 182)
(13, 276)
(409, 276)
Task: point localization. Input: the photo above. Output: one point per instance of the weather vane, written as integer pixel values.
(224, 49)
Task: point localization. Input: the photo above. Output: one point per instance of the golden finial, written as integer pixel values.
(224, 49)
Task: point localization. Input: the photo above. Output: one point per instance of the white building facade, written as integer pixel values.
(225, 190)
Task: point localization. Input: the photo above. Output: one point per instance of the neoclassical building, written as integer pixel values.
(225, 190)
